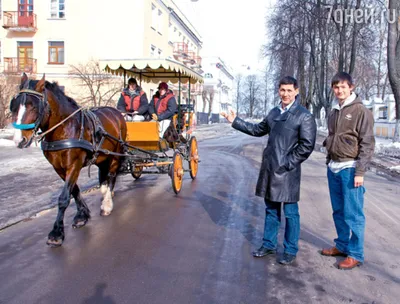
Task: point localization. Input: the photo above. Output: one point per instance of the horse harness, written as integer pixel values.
(98, 132)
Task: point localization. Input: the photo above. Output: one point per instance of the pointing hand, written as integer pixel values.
(229, 117)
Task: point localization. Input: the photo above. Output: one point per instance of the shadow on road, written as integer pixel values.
(99, 297)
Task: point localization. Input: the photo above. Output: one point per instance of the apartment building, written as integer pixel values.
(49, 36)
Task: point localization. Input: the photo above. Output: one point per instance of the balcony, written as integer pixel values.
(14, 65)
(197, 62)
(180, 50)
(189, 60)
(22, 21)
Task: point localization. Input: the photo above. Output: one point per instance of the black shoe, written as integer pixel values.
(262, 251)
(287, 259)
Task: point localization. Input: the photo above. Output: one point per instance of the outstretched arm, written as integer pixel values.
(249, 128)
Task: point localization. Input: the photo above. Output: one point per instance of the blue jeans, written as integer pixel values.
(273, 221)
(348, 214)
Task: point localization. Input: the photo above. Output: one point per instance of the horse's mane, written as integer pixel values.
(59, 94)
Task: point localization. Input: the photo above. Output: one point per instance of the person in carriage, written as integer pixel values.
(133, 103)
(163, 107)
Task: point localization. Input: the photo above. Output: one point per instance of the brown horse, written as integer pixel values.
(72, 142)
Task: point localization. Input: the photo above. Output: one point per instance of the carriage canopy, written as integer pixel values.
(152, 70)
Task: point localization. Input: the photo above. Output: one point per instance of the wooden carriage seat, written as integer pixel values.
(143, 135)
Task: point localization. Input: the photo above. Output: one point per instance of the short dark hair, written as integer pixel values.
(342, 77)
(288, 80)
(132, 81)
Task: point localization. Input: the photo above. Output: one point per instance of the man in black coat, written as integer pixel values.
(292, 133)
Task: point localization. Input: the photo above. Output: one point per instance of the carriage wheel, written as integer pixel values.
(136, 171)
(193, 157)
(177, 172)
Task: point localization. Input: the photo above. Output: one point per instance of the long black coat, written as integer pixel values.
(291, 140)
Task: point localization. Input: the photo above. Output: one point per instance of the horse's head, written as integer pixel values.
(27, 109)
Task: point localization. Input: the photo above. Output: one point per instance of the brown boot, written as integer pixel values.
(333, 252)
(348, 263)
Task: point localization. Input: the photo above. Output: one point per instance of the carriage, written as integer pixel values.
(146, 152)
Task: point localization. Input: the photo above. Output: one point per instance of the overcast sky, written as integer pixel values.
(232, 30)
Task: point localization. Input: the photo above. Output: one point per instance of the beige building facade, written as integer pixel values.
(50, 36)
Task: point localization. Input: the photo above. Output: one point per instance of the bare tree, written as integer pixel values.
(251, 93)
(238, 85)
(100, 88)
(393, 52)
(312, 40)
(8, 87)
(205, 98)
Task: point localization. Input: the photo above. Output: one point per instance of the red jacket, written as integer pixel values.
(161, 105)
(132, 105)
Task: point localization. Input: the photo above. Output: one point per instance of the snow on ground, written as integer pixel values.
(6, 143)
(7, 133)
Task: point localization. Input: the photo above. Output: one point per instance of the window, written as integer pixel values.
(57, 9)
(170, 32)
(153, 17)
(56, 52)
(152, 50)
(383, 112)
(159, 21)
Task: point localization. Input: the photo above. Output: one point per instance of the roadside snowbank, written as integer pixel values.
(6, 143)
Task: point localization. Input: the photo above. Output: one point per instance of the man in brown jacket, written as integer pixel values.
(350, 146)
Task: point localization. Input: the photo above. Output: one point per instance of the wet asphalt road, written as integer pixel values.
(196, 247)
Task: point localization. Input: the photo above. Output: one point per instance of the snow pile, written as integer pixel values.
(6, 143)
(7, 133)
(388, 148)
(10, 143)
(322, 131)
(395, 168)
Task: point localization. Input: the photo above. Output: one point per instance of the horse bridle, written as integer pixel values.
(42, 98)
(42, 104)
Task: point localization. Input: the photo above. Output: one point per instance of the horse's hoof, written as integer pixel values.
(105, 213)
(54, 243)
(79, 224)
